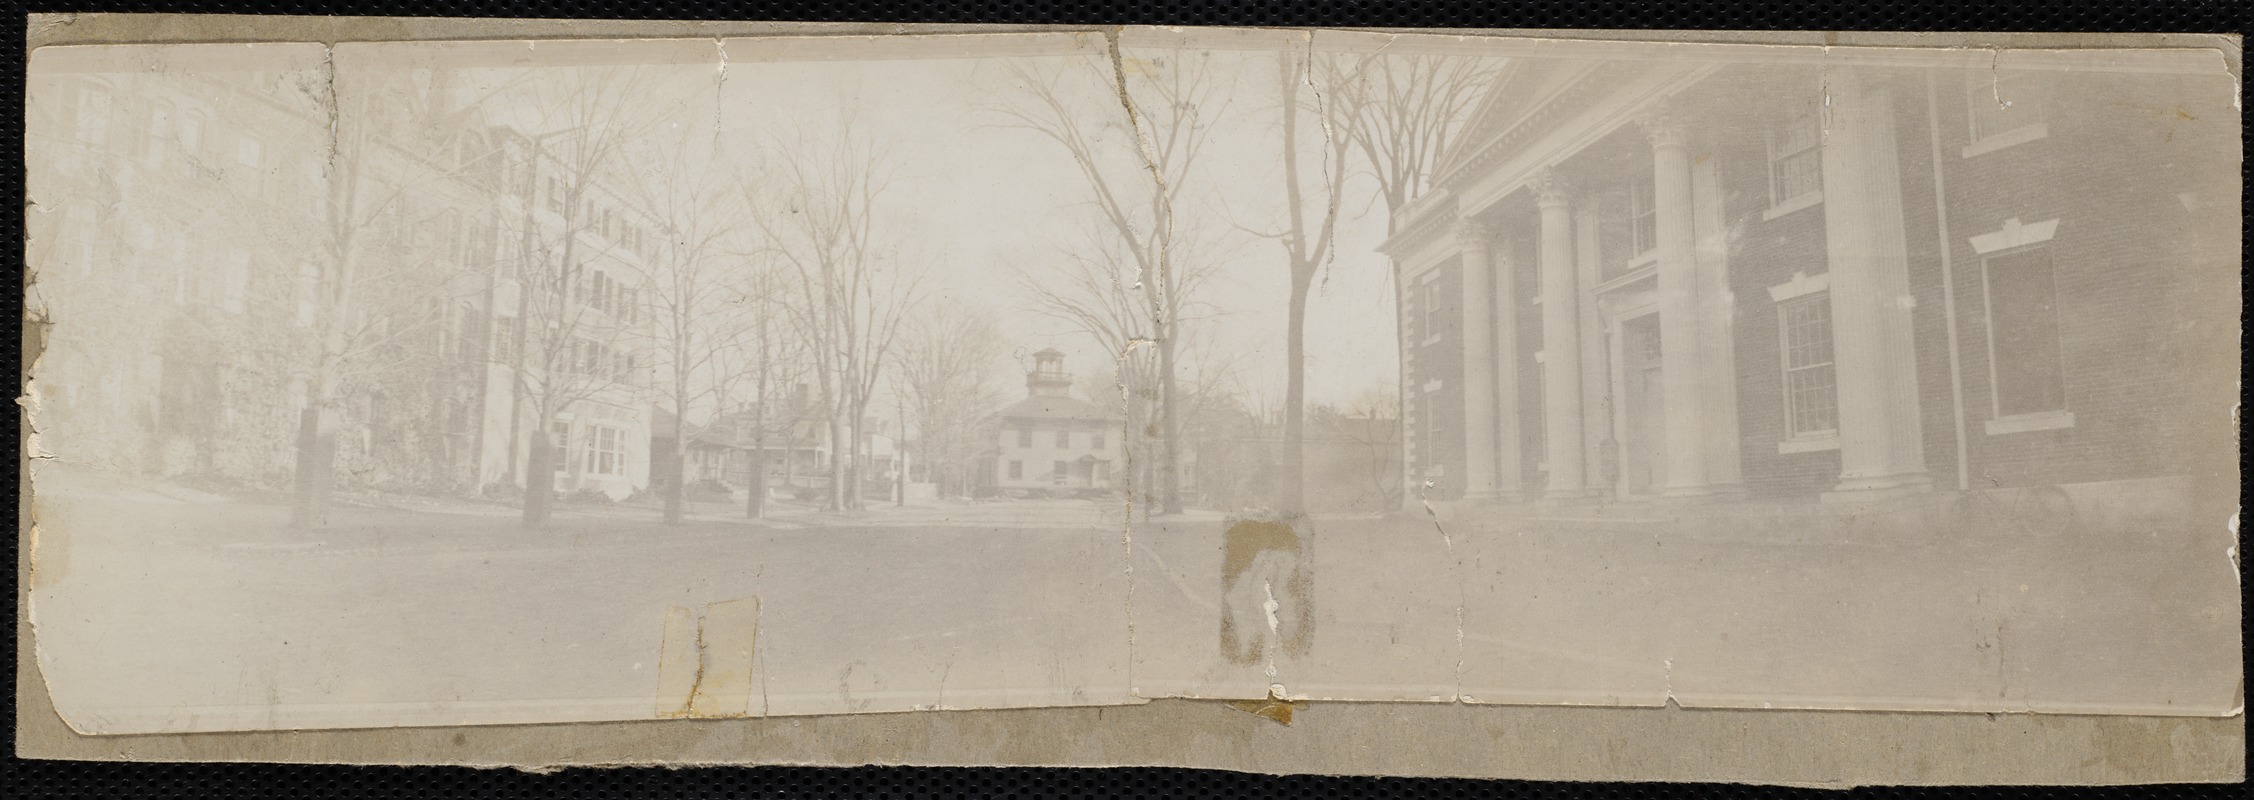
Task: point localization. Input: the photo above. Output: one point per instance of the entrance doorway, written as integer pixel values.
(1644, 440)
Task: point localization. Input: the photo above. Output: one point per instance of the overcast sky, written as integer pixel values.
(977, 200)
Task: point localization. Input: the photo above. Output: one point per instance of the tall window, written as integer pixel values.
(1017, 470)
(1627, 224)
(1428, 434)
(560, 435)
(606, 450)
(1025, 437)
(1096, 440)
(1058, 472)
(2004, 102)
(1064, 439)
(2023, 333)
(1435, 301)
(1811, 389)
(1795, 155)
(1643, 214)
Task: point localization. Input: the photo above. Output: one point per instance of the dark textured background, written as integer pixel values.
(70, 779)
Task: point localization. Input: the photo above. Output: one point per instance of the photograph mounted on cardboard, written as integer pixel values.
(490, 382)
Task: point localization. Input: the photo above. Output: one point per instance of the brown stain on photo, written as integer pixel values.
(1243, 542)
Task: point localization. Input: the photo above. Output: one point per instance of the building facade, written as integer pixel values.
(570, 324)
(1844, 280)
(1051, 442)
(221, 255)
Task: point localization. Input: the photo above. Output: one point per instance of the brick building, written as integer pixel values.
(202, 218)
(1838, 278)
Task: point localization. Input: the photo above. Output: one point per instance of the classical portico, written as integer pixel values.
(1624, 382)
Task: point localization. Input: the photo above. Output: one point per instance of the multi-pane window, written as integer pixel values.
(1795, 155)
(1058, 471)
(1435, 301)
(1429, 433)
(1017, 470)
(561, 431)
(1811, 389)
(1064, 439)
(606, 450)
(1096, 440)
(1643, 216)
(1025, 437)
(1627, 224)
(2023, 333)
(2003, 102)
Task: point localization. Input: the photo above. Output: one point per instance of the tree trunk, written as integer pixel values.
(853, 464)
(1169, 464)
(838, 455)
(755, 504)
(677, 489)
(316, 467)
(1291, 490)
(539, 479)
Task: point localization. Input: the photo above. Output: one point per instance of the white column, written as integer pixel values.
(1478, 362)
(1561, 338)
(1725, 475)
(1510, 471)
(1681, 361)
(1596, 373)
(1881, 447)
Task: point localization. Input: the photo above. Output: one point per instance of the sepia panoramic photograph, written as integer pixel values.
(501, 382)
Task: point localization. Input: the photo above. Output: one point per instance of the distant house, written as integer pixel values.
(725, 450)
(1054, 442)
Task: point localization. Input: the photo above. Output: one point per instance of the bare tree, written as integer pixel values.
(946, 379)
(1402, 111)
(569, 323)
(771, 360)
(1173, 108)
(370, 278)
(1372, 424)
(1306, 240)
(818, 211)
(700, 308)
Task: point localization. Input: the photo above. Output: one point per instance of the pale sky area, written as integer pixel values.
(976, 200)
